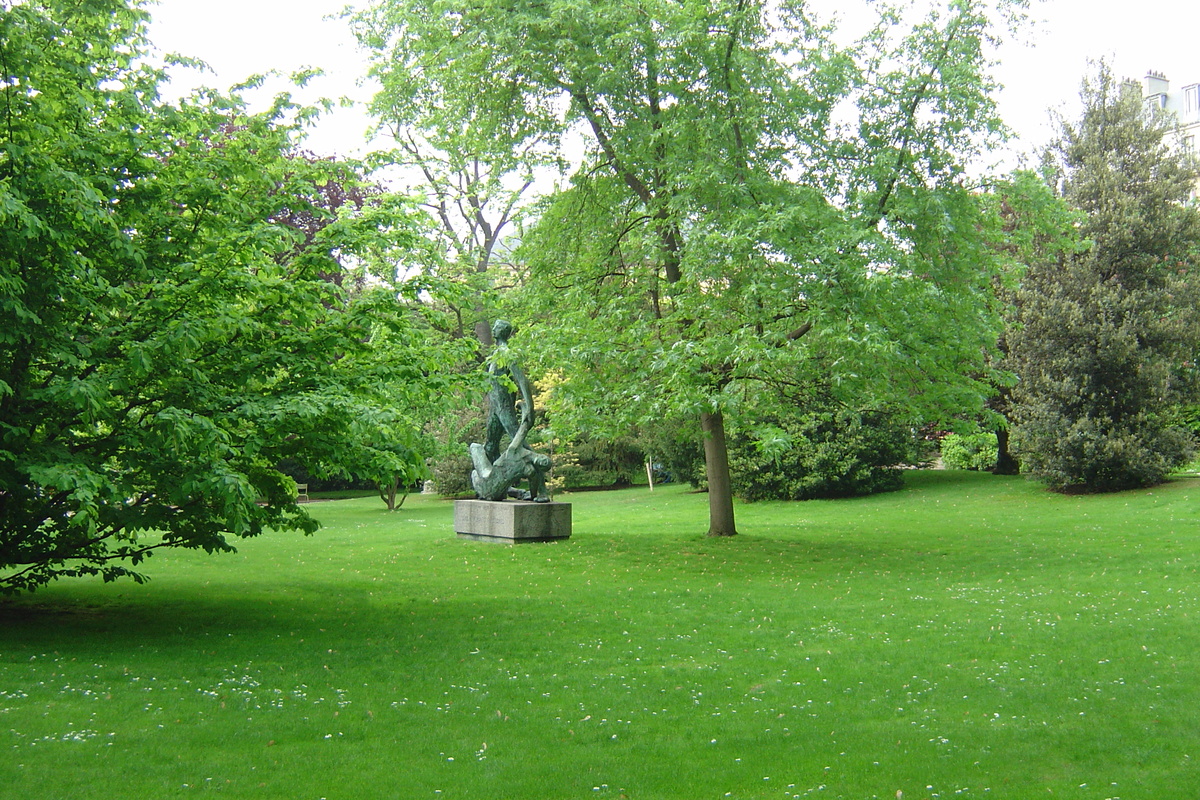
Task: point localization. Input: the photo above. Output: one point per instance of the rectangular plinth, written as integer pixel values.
(511, 520)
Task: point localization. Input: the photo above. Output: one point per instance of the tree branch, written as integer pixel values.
(909, 120)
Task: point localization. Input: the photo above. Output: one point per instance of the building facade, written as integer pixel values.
(1183, 104)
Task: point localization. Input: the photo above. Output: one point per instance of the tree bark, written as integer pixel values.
(483, 332)
(716, 465)
(1006, 462)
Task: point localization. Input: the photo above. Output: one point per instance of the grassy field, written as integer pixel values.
(971, 637)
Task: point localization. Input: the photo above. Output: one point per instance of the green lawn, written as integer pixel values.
(972, 636)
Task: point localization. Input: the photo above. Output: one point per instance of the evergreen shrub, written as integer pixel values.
(675, 446)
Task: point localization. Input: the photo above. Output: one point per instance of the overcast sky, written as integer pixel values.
(242, 37)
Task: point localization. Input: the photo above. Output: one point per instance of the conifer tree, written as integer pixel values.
(1106, 335)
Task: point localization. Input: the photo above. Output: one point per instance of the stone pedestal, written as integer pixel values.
(511, 521)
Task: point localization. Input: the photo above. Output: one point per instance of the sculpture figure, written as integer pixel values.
(496, 480)
(496, 473)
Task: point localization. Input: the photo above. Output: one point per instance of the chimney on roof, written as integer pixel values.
(1156, 84)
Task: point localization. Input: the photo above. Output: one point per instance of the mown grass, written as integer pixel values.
(972, 636)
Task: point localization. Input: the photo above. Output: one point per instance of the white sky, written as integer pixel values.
(242, 37)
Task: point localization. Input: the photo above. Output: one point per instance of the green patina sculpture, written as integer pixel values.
(496, 473)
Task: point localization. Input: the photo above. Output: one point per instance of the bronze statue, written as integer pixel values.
(496, 473)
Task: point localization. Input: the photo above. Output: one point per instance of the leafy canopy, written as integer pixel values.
(167, 339)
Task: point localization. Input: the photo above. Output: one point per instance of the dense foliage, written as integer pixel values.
(596, 464)
(1106, 336)
(167, 337)
(973, 451)
(450, 462)
(823, 454)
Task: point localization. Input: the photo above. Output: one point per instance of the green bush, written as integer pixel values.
(451, 465)
(975, 451)
(1189, 418)
(598, 464)
(678, 451)
(1098, 454)
(834, 453)
(452, 474)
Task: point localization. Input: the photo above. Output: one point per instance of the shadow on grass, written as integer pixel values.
(321, 631)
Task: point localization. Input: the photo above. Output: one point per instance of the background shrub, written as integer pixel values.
(975, 451)
(451, 463)
(678, 453)
(597, 464)
(831, 453)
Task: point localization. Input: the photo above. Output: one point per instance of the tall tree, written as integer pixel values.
(345, 189)
(753, 203)
(475, 189)
(1106, 336)
(1037, 228)
(166, 340)
(473, 204)
(367, 240)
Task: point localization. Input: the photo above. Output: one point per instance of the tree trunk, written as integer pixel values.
(483, 332)
(1006, 462)
(716, 465)
(387, 493)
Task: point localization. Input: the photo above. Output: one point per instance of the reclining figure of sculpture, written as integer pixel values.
(496, 473)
